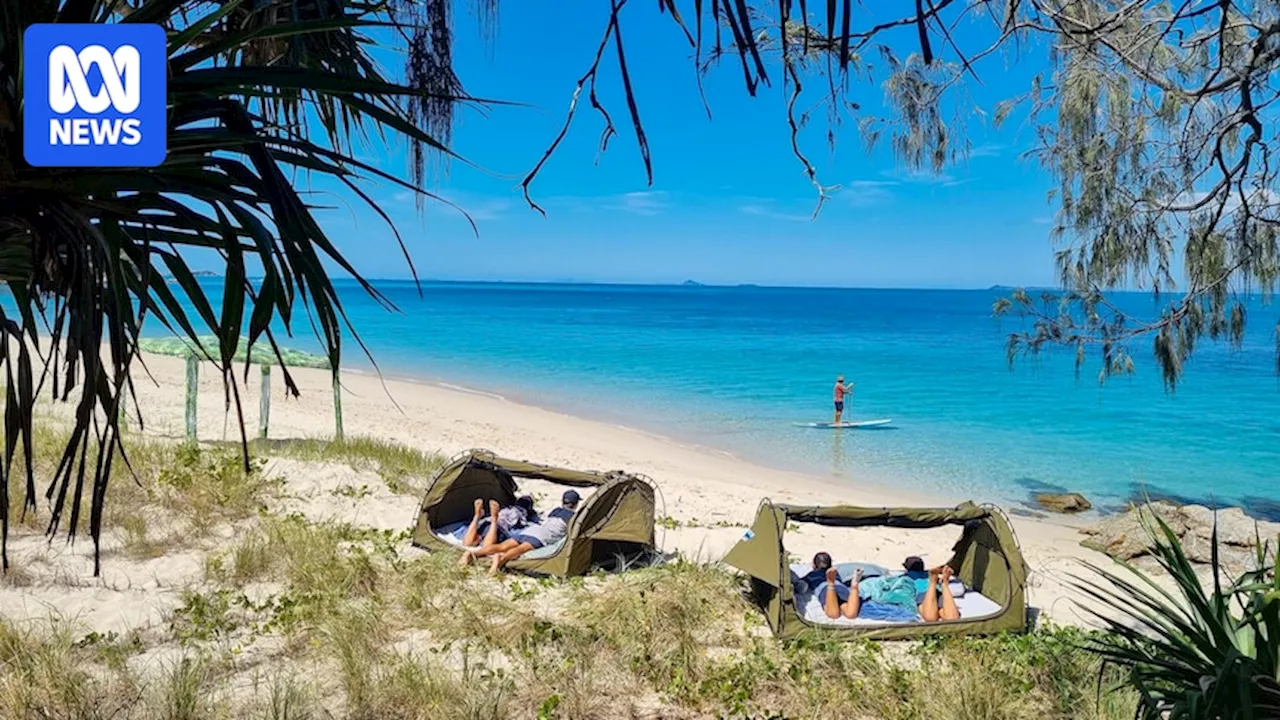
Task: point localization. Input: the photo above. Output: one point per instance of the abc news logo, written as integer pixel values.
(69, 90)
(94, 95)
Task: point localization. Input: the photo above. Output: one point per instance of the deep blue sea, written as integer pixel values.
(735, 368)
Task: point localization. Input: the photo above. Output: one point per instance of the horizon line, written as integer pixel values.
(683, 284)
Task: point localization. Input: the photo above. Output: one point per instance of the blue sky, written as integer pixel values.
(729, 202)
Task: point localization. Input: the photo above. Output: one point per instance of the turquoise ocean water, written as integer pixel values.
(734, 368)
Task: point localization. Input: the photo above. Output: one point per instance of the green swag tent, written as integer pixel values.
(986, 558)
(616, 519)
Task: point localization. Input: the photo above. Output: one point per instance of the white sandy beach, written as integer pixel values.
(709, 496)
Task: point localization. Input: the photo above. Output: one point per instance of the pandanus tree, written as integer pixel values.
(1155, 119)
(259, 93)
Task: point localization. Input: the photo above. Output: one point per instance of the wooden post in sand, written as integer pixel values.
(337, 405)
(264, 404)
(193, 388)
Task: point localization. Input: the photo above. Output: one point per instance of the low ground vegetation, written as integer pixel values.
(296, 618)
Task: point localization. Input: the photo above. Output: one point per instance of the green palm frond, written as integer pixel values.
(258, 90)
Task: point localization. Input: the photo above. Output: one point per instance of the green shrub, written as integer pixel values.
(1192, 652)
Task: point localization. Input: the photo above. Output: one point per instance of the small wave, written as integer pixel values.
(470, 391)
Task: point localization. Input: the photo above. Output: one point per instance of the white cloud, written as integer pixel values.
(1263, 202)
(988, 150)
(1264, 196)
(642, 202)
(865, 193)
(646, 202)
(485, 209)
(479, 207)
(764, 209)
(926, 177)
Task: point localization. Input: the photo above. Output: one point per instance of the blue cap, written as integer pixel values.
(571, 497)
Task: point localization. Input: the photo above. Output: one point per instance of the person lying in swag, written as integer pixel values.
(507, 520)
(548, 531)
(927, 592)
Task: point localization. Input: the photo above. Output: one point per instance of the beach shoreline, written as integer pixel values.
(864, 479)
(541, 401)
(708, 501)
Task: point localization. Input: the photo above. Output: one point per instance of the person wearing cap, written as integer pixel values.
(549, 530)
(840, 391)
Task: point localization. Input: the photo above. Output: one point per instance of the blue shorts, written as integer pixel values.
(535, 542)
(839, 406)
(842, 592)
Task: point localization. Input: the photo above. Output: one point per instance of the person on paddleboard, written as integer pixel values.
(840, 390)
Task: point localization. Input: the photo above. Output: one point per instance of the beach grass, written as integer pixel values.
(49, 672)
(404, 469)
(349, 621)
(166, 493)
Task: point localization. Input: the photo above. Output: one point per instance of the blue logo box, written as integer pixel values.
(94, 95)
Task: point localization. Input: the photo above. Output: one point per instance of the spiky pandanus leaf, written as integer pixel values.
(1193, 652)
(86, 252)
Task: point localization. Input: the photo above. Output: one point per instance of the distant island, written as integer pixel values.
(1024, 288)
(691, 283)
(171, 280)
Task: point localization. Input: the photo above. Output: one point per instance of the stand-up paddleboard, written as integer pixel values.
(846, 425)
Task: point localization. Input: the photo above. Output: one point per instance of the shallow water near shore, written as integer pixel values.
(736, 368)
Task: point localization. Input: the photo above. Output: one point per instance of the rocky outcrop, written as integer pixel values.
(1063, 502)
(1124, 537)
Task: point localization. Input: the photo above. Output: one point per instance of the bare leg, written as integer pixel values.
(949, 610)
(491, 536)
(472, 536)
(929, 608)
(494, 549)
(854, 605)
(831, 602)
(501, 559)
(837, 422)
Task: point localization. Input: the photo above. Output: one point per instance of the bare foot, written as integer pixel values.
(947, 572)
(493, 507)
(479, 508)
(494, 568)
(831, 576)
(934, 574)
(467, 557)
